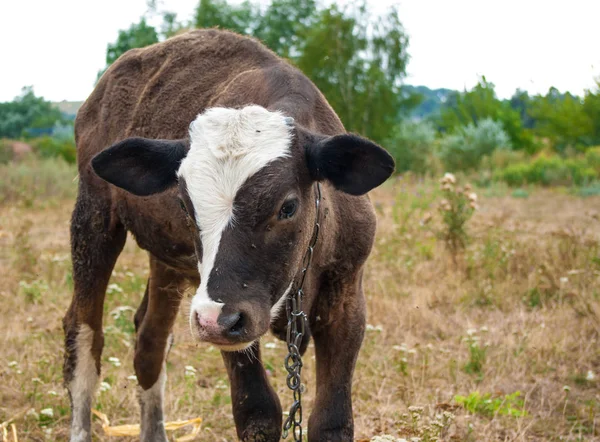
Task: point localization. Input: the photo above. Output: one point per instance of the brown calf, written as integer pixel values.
(244, 172)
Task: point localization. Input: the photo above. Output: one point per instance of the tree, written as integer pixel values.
(471, 107)
(284, 24)
(137, 36)
(359, 68)
(563, 120)
(591, 108)
(218, 13)
(28, 113)
(521, 102)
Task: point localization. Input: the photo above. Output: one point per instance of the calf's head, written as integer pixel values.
(246, 181)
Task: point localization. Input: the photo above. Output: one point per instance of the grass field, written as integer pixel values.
(501, 345)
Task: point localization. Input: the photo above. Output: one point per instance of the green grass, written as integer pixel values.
(37, 181)
(486, 405)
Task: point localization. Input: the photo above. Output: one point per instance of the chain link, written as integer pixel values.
(295, 332)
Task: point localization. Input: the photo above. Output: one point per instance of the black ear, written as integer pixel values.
(351, 163)
(140, 165)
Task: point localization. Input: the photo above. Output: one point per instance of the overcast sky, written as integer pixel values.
(58, 46)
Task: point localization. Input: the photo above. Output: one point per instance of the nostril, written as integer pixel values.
(233, 324)
(236, 329)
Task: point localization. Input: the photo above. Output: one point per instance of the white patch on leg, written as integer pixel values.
(227, 146)
(83, 385)
(280, 304)
(151, 401)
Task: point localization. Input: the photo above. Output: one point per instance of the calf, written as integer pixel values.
(217, 147)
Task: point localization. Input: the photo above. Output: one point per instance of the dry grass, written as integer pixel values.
(520, 312)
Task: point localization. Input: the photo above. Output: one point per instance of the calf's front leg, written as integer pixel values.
(338, 335)
(256, 407)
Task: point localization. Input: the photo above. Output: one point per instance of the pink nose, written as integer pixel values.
(208, 319)
(216, 327)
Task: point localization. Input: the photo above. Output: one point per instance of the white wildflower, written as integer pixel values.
(115, 361)
(104, 386)
(36, 380)
(221, 385)
(47, 412)
(132, 377)
(377, 328)
(52, 393)
(13, 364)
(271, 345)
(114, 288)
(32, 413)
(590, 376)
(383, 438)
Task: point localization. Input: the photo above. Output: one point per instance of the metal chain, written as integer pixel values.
(295, 332)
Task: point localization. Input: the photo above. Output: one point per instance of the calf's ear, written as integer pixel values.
(351, 163)
(141, 166)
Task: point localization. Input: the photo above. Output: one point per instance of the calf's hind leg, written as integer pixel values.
(97, 238)
(154, 323)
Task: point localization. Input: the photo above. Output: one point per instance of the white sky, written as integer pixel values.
(58, 46)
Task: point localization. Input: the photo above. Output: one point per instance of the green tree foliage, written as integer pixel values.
(561, 119)
(568, 122)
(470, 107)
(285, 23)
(466, 148)
(521, 102)
(138, 35)
(591, 107)
(27, 112)
(358, 68)
(240, 18)
(411, 144)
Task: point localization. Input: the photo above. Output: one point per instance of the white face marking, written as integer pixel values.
(278, 307)
(83, 385)
(228, 146)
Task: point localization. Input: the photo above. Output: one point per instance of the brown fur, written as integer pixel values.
(156, 92)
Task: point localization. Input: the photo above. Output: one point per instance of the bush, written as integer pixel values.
(37, 179)
(5, 152)
(548, 171)
(592, 157)
(411, 145)
(466, 149)
(49, 147)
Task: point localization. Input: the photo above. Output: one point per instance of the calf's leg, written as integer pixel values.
(154, 324)
(338, 336)
(97, 238)
(256, 407)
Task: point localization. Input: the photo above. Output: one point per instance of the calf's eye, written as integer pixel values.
(288, 209)
(182, 205)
